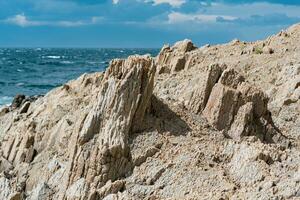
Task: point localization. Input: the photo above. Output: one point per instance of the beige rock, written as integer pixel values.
(5, 188)
(173, 59)
(177, 64)
(201, 94)
(107, 189)
(3, 111)
(122, 102)
(131, 133)
(243, 122)
(221, 106)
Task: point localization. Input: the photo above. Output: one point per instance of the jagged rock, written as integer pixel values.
(173, 59)
(221, 106)
(200, 96)
(122, 102)
(18, 100)
(5, 188)
(5, 165)
(98, 137)
(107, 189)
(41, 192)
(232, 105)
(3, 111)
(177, 64)
(101, 131)
(184, 46)
(245, 167)
(231, 78)
(24, 108)
(243, 122)
(16, 196)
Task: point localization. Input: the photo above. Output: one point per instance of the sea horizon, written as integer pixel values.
(35, 71)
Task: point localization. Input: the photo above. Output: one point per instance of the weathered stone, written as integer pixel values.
(24, 108)
(5, 188)
(173, 59)
(107, 189)
(5, 165)
(221, 106)
(16, 196)
(184, 46)
(98, 138)
(41, 192)
(243, 122)
(120, 109)
(177, 64)
(236, 107)
(231, 78)
(18, 100)
(201, 94)
(3, 111)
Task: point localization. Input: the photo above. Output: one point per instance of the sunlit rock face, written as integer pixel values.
(214, 122)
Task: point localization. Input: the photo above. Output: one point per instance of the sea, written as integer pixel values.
(35, 71)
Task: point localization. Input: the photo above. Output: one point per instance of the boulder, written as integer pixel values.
(173, 59)
(184, 46)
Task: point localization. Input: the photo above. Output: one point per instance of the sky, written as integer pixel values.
(140, 23)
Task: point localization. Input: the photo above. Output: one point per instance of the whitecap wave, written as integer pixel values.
(53, 57)
(20, 84)
(5, 100)
(66, 62)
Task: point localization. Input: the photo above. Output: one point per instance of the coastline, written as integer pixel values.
(180, 125)
(35, 71)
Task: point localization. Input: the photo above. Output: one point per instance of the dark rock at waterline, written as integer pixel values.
(18, 100)
(23, 102)
(25, 107)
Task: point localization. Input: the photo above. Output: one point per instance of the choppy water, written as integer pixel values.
(36, 71)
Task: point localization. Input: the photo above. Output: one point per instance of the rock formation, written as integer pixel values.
(215, 122)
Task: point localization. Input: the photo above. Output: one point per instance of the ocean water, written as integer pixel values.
(36, 71)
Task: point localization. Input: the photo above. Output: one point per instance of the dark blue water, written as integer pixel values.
(36, 71)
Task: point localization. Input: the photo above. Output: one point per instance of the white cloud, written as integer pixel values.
(173, 3)
(115, 1)
(23, 21)
(177, 17)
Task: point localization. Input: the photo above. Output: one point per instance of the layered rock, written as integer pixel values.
(90, 146)
(173, 59)
(196, 130)
(232, 105)
(120, 108)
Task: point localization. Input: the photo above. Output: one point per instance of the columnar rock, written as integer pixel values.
(232, 105)
(90, 145)
(173, 59)
(201, 94)
(208, 133)
(119, 110)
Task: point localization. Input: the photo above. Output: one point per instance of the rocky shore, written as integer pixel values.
(214, 122)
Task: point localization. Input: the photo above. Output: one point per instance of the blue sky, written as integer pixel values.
(140, 23)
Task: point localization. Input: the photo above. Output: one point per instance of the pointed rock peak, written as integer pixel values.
(184, 46)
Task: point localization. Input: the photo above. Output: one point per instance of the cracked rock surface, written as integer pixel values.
(215, 122)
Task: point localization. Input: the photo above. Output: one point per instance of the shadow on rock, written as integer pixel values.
(163, 119)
